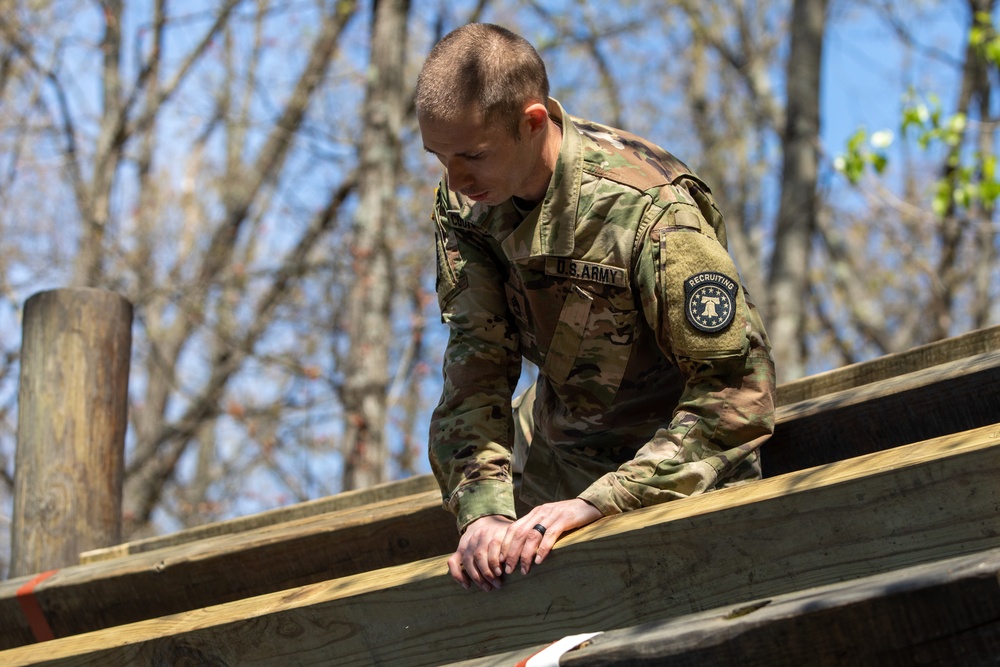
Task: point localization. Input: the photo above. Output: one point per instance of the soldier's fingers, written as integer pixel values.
(513, 543)
(505, 551)
(472, 572)
(469, 556)
(481, 572)
(493, 559)
(456, 570)
(565, 516)
(547, 542)
(534, 532)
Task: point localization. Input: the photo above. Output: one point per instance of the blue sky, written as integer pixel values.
(866, 70)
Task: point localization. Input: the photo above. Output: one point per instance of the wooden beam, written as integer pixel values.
(883, 368)
(947, 612)
(313, 549)
(947, 398)
(103, 594)
(944, 612)
(891, 365)
(854, 518)
(334, 503)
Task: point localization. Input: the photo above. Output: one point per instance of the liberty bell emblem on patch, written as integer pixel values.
(710, 301)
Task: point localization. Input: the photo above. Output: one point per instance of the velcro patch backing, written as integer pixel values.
(706, 309)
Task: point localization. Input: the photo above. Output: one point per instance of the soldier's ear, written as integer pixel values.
(535, 118)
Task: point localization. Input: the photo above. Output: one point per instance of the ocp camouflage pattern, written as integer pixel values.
(637, 402)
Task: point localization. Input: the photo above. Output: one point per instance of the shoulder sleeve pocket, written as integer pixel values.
(706, 313)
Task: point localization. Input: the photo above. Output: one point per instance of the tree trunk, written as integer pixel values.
(366, 380)
(162, 442)
(788, 280)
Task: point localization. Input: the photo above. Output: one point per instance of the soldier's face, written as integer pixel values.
(486, 163)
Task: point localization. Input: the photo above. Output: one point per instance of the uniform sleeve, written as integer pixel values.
(705, 323)
(471, 429)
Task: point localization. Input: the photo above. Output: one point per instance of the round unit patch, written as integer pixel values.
(709, 300)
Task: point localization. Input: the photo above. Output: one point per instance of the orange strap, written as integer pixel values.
(33, 611)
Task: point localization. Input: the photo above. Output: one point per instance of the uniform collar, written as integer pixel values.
(552, 231)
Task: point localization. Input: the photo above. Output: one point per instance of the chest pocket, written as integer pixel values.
(591, 344)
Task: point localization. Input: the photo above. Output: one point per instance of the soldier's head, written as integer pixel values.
(481, 104)
(481, 67)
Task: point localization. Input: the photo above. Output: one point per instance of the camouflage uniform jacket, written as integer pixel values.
(655, 375)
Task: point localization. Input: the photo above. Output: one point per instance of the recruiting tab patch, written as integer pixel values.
(710, 300)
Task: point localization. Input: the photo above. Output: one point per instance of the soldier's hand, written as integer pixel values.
(477, 560)
(530, 539)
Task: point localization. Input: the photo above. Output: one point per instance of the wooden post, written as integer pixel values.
(72, 410)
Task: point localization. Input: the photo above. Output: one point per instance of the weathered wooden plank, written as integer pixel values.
(946, 398)
(883, 368)
(850, 519)
(944, 613)
(891, 365)
(334, 503)
(145, 585)
(188, 577)
(804, 390)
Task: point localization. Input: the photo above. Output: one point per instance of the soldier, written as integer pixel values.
(600, 258)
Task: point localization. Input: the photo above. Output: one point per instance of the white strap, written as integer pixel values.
(549, 656)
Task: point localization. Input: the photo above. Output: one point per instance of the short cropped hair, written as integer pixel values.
(481, 66)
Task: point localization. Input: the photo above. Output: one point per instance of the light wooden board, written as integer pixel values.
(947, 398)
(805, 389)
(229, 567)
(334, 503)
(850, 519)
(945, 612)
(891, 365)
